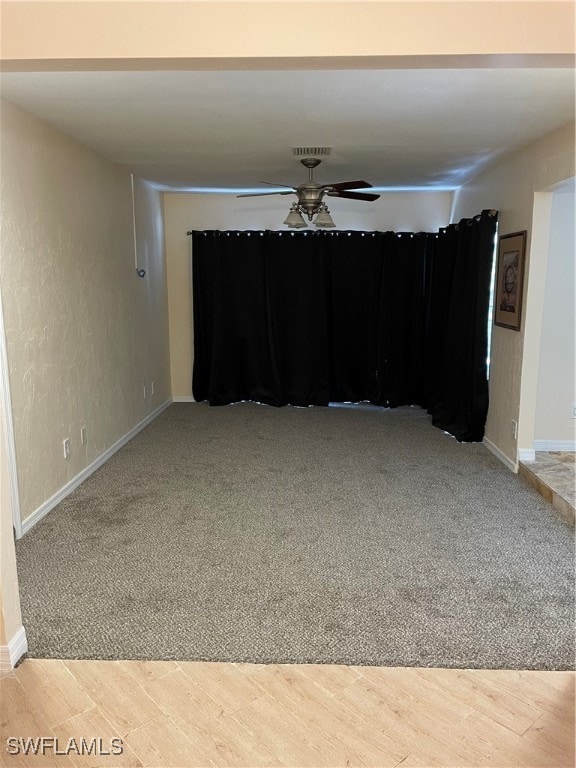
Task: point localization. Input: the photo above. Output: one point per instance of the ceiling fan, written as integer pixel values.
(310, 196)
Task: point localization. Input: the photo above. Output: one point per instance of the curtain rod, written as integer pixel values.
(488, 211)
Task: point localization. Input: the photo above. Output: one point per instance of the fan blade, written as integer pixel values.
(354, 195)
(262, 194)
(349, 185)
(272, 184)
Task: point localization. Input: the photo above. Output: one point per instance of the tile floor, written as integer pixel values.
(554, 477)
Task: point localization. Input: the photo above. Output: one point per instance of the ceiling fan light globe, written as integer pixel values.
(323, 219)
(294, 219)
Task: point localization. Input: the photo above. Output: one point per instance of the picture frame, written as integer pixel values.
(510, 280)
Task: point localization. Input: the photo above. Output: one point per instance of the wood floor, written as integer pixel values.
(210, 714)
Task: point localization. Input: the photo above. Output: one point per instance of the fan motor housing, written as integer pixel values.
(310, 196)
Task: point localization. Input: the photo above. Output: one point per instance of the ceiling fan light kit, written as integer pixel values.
(310, 196)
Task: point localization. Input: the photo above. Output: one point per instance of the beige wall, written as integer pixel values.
(10, 615)
(248, 30)
(556, 371)
(83, 332)
(510, 187)
(152, 318)
(408, 211)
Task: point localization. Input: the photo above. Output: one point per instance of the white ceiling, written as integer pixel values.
(417, 128)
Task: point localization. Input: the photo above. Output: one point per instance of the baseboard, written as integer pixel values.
(526, 454)
(48, 505)
(18, 646)
(183, 399)
(5, 663)
(506, 460)
(11, 654)
(567, 446)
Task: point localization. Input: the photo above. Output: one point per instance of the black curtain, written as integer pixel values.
(260, 318)
(308, 318)
(401, 341)
(457, 333)
(353, 263)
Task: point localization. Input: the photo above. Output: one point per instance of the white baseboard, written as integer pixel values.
(18, 646)
(5, 663)
(11, 654)
(183, 399)
(568, 446)
(526, 454)
(506, 460)
(50, 503)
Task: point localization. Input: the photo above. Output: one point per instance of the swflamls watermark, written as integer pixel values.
(45, 745)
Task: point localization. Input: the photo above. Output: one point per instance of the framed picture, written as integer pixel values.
(509, 280)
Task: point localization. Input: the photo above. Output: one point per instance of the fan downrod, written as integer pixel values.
(310, 163)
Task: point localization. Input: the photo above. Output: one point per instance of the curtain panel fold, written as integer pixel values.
(309, 318)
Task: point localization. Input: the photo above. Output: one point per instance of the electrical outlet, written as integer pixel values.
(83, 437)
(66, 446)
(573, 411)
(514, 429)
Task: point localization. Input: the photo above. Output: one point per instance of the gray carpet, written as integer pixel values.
(335, 535)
